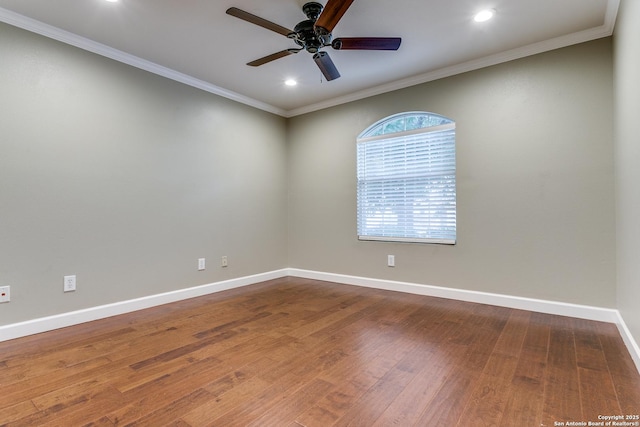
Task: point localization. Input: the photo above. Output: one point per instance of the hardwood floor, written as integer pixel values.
(296, 352)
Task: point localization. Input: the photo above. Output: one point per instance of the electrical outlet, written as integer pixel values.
(70, 283)
(201, 264)
(224, 262)
(5, 293)
(391, 260)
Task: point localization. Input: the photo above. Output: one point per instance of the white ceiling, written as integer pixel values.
(196, 42)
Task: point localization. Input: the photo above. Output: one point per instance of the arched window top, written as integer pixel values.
(404, 122)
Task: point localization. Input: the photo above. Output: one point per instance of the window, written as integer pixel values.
(406, 171)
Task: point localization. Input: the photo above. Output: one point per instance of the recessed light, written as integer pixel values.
(112, 1)
(290, 82)
(484, 15)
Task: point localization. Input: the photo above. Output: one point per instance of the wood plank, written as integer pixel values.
(366, 410)
(409, 405)
(561, 384)
(469, 348)
(80, 404)
(225, 398)
(172, 411)
(18, 411)
(597, 390)
(294, 404)
(300, 352)
(524, 407)
(492, 391)
(343, 395)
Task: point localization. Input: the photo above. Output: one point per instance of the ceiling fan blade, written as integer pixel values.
(326, 65)
(249, 17)
(331, 14)
(273, 57)
(367, 43)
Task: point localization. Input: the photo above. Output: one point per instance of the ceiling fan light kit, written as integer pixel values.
(315, 33)
(326, 66)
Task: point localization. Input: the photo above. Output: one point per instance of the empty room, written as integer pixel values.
(291, 213)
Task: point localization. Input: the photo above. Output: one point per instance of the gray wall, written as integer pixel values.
(627, 131)
(125, 178)
(535, 181)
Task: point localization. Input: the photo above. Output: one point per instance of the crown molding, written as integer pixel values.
(605, 30)
(69, 38)
(487, 61)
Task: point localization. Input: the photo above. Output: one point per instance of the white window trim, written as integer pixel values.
(424, 130)
(407, 240)
(407, 133)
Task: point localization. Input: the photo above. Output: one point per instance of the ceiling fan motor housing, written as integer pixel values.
(305, 34)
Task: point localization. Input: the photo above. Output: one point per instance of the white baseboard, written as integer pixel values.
(541, 306)
(49, 323)
(530, 304)
(44, 324)
(632, 345)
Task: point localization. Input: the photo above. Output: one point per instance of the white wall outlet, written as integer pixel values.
(5, 293)
(224, 262)
(391, 260)
(70, 283)
(201, 264)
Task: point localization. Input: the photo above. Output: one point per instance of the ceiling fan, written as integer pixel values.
(314, 33)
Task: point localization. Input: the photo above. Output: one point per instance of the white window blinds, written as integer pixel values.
(407, 185)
